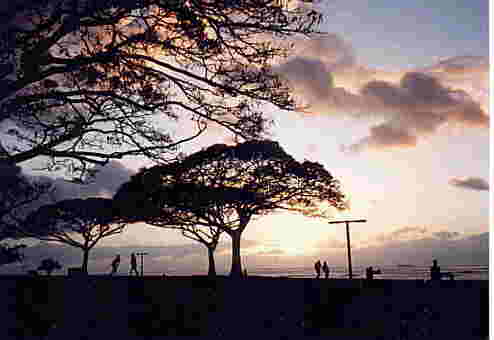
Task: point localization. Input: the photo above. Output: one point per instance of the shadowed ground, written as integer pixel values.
(121, 307)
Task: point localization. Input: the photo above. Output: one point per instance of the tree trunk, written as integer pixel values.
(212, 266)
(85, 259)
(236, 270)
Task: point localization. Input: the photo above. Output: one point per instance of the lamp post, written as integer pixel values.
(347, 222)
(142, 261)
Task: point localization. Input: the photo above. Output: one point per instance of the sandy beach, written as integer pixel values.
(123, 307)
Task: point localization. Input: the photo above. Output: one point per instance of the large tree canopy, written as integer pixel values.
(225, 186)
(79, 223)
(86, 81)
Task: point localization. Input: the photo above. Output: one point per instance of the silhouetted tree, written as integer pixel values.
(49, 265)
(136, 209)
(208, 236)
(79, 223)
(225, 186)
(11, 254)
(83, 82)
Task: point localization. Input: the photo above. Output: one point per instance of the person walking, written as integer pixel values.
(325, 269)
(133, 264)
(435, 271)
(115, 263)
(317, 267)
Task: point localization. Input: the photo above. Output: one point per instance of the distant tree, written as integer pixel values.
(49, 265)
(79, 223)
(84, 82)
(225, 186)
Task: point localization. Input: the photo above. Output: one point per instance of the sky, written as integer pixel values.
(395, 104)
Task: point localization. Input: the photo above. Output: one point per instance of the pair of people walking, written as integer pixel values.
(133, 265)
(324, 267)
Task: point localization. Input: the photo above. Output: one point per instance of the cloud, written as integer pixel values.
(404, 233)
(271, 252)
(417, 245)
(411, 104)
(471, 183)
(331, 244)
(105, 184)
(446, 235)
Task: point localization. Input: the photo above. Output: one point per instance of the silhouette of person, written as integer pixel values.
(435, 271)
(317, 267)
(369, 273)
(325, 269)
(115, 263)
(133, 264)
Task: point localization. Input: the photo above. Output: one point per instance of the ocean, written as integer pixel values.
(389, 272)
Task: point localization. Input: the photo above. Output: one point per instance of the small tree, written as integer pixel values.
(225, 186)
(49, 265)
(79, 223)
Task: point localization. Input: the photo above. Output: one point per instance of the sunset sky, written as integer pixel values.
(416, 168)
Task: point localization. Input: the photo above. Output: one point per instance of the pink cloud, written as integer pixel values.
(413, 104)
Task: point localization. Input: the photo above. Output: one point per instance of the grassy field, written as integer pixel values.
(123, 307)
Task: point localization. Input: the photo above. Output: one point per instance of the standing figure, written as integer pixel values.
(369, 272)
(133, 264)
(115, 263)
(325, 269)
(435, 271)
(317, 267)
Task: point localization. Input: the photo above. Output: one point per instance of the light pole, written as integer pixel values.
(347, 222)
(142, 262)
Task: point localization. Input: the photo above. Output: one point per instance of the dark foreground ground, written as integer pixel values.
(271, 308)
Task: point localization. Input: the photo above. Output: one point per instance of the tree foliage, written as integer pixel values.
(11, 254)
(86, 81)
(225, 186)
(79, 223)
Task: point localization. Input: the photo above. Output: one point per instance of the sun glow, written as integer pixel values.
(288, 234)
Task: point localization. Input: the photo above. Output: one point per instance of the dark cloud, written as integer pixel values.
(326, 80)
(471, 183)
(105, 184)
